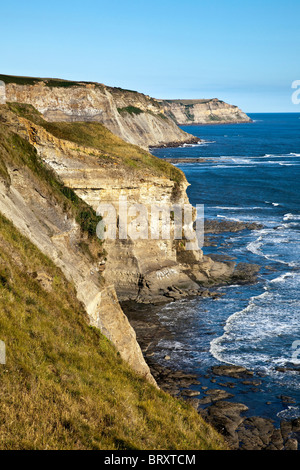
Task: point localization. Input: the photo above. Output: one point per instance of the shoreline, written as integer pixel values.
(216, 123)
(217, 402)
(217, 392)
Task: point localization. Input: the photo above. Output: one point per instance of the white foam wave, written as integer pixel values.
(238, 208)
(216, 348)
(290, 216)
(282, 277)
(291, 412)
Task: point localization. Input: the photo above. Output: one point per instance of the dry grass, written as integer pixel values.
(64, 386)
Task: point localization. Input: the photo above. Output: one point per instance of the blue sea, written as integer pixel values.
(251, 174)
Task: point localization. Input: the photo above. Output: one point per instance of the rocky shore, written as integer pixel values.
(213, 393)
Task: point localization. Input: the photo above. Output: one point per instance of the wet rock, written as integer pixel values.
(227, 384)
(291, 444)
(254, 383)
(190, 393)
(255, 433)
(219, 226)
(216, 394)
(286, 429)
(205, 401)
(231, 371)
(225, 417)
(287, 400)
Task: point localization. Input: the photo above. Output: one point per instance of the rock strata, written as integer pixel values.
(210, 111)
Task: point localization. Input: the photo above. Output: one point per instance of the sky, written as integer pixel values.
(244, 52)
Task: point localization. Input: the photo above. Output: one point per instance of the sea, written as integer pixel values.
(251, 173)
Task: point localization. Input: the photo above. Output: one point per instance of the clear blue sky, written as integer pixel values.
(245, 52)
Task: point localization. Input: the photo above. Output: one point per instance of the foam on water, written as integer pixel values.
(249, 176)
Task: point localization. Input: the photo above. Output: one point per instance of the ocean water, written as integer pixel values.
(252, 174)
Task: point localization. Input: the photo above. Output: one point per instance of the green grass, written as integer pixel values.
(64, 386)
(16, 150)
(130, 110)
(49, 82)
(95, 135)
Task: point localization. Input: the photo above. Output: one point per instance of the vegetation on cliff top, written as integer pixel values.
(97, 136)
(18, 151)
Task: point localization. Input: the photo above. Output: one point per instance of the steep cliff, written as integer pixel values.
(63, 228)
(212, 111)
(152, 270)
(54, 175)
(64, 386)
(135, 117)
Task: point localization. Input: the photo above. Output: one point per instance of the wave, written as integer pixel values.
(292, 412)
(256, 245)
(216, 348)
(199, 143)
(282, 277)
(237, 208)
(291, 216)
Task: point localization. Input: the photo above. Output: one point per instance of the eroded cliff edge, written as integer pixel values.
(205, 111)
(98, 166)
(135, 117)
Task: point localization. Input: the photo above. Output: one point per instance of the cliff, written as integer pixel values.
(98, 166)
(211, 111)
(64, 385)
(135, 117)
(63, 228)
(152, 270)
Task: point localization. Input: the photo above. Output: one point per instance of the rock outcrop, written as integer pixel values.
(34, 209)
(147, 271)
(211, 111)
(144, 270)
(135, 117)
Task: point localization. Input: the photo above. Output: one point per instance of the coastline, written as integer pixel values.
(216, 393)
(192, 140)
(214, 123)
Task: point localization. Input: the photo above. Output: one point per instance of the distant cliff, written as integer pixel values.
(212, 111)
(136, 118)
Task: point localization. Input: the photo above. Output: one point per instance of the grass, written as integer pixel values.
(49, 82)
(16, 150)
(95, 135)
(64, 386)
(130, 110)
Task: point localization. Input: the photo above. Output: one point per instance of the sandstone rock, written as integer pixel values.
(136, 118)
(209, 111)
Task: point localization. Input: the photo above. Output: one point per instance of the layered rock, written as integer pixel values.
(35, 211)
(144, 270)
(211, 111)
(135, 117)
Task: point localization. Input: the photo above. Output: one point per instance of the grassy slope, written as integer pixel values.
(95, 135)
(64, 386)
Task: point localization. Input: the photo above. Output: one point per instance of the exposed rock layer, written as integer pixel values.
(135, 117)
(212, 111)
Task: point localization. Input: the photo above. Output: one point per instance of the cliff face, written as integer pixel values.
(152, 270)
(136, 118)
(38, 212)
(99, 167)
(213, 111)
